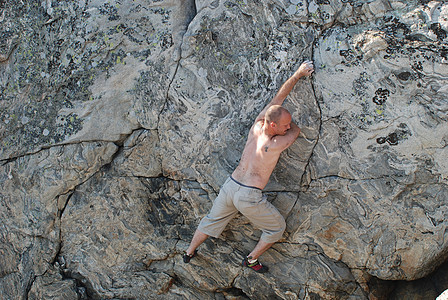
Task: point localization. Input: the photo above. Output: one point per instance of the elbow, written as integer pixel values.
(296, 131)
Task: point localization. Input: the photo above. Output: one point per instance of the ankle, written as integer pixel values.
(254, 265)
(187, 257)
(251, 260)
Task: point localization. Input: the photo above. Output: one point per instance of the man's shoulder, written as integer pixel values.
(259, 121)
(257, 125)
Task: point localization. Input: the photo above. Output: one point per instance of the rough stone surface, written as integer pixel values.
(119, 121)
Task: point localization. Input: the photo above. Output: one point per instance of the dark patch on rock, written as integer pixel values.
(381, 140)
(417, 66)
(351, 57)
(392, 26)
(360, 84)
(160, 205)
(438, 30)
(109, 10)
(402, 133)
(392, 139)
(163, 12)
(381, 96)
(405, 76)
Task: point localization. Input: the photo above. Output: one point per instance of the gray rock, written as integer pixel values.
(390, 179)
(52, 286)
(119, 121)
(35, 191)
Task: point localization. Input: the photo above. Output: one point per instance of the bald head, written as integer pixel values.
(274, 113)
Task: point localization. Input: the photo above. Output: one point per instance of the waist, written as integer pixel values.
(241, 184)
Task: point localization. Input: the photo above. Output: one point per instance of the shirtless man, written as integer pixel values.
(272, 132)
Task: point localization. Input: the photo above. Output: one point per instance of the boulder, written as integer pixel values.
(119, 122)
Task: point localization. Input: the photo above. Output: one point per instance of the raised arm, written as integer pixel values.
(305, 69)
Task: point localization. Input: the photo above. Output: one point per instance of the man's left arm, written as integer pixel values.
(305, 69)
(283, 142)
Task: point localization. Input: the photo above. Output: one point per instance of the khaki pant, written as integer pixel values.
(234, 197)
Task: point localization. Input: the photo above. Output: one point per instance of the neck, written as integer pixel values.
(267, 130)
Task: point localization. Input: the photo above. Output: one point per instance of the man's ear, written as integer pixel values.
(272, 124)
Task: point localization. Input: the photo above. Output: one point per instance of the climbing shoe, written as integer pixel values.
(256, 265)
(187, 257)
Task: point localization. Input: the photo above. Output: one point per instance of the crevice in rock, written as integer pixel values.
(167, 96)
(233, 293)
(336, 176)
(6, 161)
(428, 287)
(4, 59)
(58, 259)
(306, 171)
(302, 179)
(61, 211)
(84, 288)
(186, 11)
(29, 287)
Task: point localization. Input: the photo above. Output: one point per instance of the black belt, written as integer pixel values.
(247, 186)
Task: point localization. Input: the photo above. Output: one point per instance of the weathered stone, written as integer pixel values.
(141, 155)
(33, 198)
(391, 180)
(430, 287)
(51, 285)
(120, 120)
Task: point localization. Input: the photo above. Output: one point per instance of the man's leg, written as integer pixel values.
(214, 223)
(251, 260)
(259, 249)
(271, 223)
(197, 239)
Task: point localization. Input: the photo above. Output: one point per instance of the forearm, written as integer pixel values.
(283, 92)
(305, 69)
(285, 89)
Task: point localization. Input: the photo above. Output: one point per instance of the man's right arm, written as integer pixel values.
(305, 69)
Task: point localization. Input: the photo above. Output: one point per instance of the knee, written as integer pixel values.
(281, 228)
(282, 225)
(274, 233)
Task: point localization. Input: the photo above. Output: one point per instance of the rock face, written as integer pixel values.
(119, 121)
